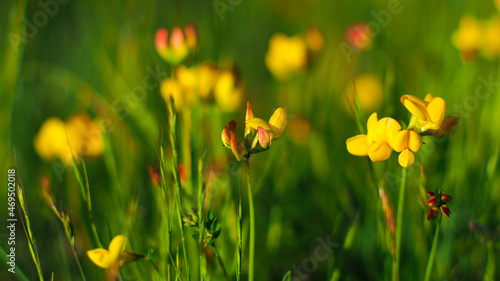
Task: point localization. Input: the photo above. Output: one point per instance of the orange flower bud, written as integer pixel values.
(433, 201)
(446, 198)
(432, 214)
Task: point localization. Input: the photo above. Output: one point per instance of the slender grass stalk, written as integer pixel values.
(221, 262)
(240, 238)
(432, 255)
(201, 200)
(399, 225)
(252, 223)
(165, 205)
(177, 180)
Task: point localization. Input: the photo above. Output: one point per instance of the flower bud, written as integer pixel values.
(430, 193)
(360, 35)
(445, 210)
(161, 37)
(432, 214)
(191, 35)
(446, 198)
(433, 201)
(226, 133)
(264, 139)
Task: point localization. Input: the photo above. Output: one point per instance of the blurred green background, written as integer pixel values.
(90, 54)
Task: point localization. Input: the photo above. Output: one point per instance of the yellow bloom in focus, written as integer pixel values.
(82, 133)
(375, 144)
(369, 89)
(427, 114)
(406, 142)
(468, 37)
(229, 91)
(490, 44)
(257, 129)
(109, 258)
(286, 55)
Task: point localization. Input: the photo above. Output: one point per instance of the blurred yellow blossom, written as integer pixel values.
(468, 37)
(229, 91)
(286, 55)
(490, 43)
(369, 89)
(314, 39)
(80, 132)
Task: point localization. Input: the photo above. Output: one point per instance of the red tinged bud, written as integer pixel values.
(446, 198)
(155, 175)
(433, 201)
(430, 193)
(432, 214)
(445, 210)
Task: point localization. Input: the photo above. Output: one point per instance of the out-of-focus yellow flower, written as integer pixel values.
(176, 48)
(375, 144)
(80, 132)
(360, 36)
(468, 37)
(109, 258)
(490, 43)
(266, 132)
(229, 91)
(299, 129)
(314, 39)
(369, 89)
(171, 88)
(427, 114)
(406, 142)
(286, 55)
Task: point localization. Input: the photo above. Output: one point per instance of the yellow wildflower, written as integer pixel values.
(375, 144)
(229, 91)
(490, 44)
(109, 258)
(427, 114)
(406, 142)
(286, 55)
(468, 37)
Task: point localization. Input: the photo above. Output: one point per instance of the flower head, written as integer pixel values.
(438, 201)
(468, 37)
(109, 258)
(369, 90)
(261, 132)
(490, 43)
(229, 91)
(428, 114)
(360, 36)
(286, 55)
(406, 142)
(176, 48)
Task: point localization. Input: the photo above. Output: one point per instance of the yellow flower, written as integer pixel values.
(490, 44)
(265, 133)
(286, 55)
(375, 144)
(427, 114)
(80, 132)
(229, 91)
(109, 258)
(406, 142)
(174, 50)
(468, 37)
(369, 89)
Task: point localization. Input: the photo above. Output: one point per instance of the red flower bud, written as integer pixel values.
(433, 201)
(430, 193)
(432, 214)
(445, 210)
(446, 198)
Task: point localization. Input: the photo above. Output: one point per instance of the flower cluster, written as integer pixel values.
(204, 82)
(258, 133)
(175, 48)
(80, 133)
(438, 202)
(474, 35)
(386, 135)
(289, 55)
(212, 227)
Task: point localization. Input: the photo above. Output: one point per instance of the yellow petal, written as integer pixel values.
(437, 111)
(117, 246)
(238, 149)
(101, 257)
(415, 141)
(415, 109)
(400, 141)
(386, 127)
(277, 122)
(429, 97)
(255, 123)
(379, 151)
(406, 158)
(358, 145)
(372, 122)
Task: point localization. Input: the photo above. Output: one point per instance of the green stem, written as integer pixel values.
(240, 239)
(221, 262)
(432, 255)
(252, 223)
(201, 199)
(165, 209)
(399, 224)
